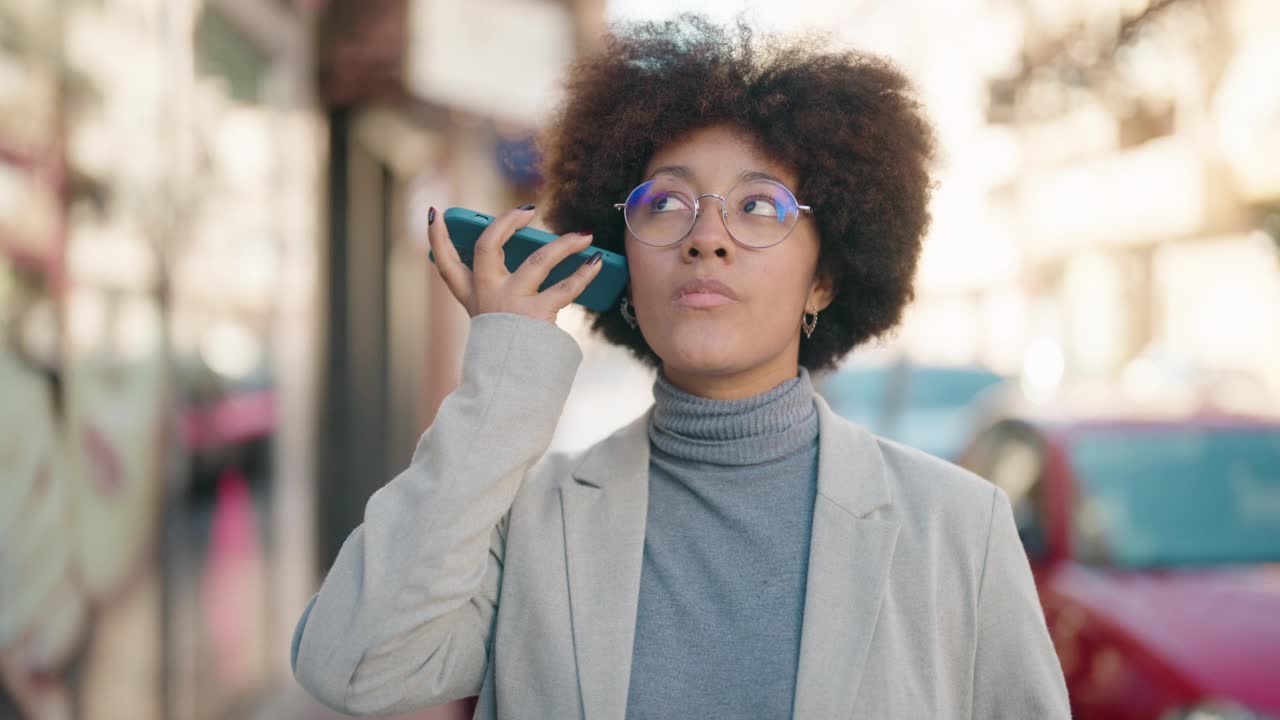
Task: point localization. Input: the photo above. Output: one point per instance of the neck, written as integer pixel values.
(734, 385)
(757, 429)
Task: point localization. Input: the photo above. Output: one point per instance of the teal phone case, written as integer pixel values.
(601, 295)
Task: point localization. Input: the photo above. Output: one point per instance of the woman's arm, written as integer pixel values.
(1016, 671)
(404, 617)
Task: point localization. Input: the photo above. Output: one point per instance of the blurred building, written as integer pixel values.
(1128, 219)
(160, 162)
(1142, 194)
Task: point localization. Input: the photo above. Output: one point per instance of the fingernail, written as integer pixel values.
(595, 259)
(585, 232)
(431, 216)
(526, 207)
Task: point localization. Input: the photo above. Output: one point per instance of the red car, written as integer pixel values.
(1156, 550)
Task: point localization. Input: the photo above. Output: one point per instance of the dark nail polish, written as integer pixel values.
(431, 216)
(526, 207)
(595, 259)
(586, 232)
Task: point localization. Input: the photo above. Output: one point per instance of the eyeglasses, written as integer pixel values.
(758, 213)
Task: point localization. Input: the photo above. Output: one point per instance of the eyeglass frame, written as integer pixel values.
(724, 212)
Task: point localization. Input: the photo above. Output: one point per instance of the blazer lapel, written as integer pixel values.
(849, 560)
(605, 506)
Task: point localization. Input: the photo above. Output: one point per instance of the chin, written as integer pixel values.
(701, 366)
(702, 352)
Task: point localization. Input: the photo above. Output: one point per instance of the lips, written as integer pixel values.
(700, 289)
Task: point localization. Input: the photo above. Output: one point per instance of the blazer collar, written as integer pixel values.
(850, 555)
(605, 506)
(851, 471)
(618, 459)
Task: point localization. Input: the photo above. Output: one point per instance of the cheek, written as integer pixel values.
(779, 294)
(783, 279)
(646, 274)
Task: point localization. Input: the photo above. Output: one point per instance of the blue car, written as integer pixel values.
(925, 406)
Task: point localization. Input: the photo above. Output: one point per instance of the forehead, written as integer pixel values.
(716, 156)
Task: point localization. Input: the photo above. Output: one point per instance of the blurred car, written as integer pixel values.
(1155, 545)
(925, 406)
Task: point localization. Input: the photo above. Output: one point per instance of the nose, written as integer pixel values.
(709, 235)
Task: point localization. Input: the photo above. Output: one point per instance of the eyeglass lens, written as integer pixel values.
(758, 213)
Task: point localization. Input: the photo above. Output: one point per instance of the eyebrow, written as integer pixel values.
(683, 171)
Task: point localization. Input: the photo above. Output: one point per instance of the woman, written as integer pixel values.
(738, 551)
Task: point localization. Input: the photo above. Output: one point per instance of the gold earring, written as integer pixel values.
(809, 325)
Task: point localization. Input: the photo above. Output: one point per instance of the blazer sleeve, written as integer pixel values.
(1016, 670)
(404, 616)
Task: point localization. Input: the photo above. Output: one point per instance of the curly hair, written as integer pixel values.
(847, 122)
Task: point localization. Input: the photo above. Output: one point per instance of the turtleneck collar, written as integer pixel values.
(750, 431)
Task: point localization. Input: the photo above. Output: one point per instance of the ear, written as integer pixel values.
(821, 292)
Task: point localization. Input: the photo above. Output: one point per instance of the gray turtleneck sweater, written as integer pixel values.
(731, 491)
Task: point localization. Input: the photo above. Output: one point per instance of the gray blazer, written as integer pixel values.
(490, 567)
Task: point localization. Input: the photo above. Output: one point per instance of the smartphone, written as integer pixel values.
(601, 295)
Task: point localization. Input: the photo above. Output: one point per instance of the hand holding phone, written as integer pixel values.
(496, 264)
